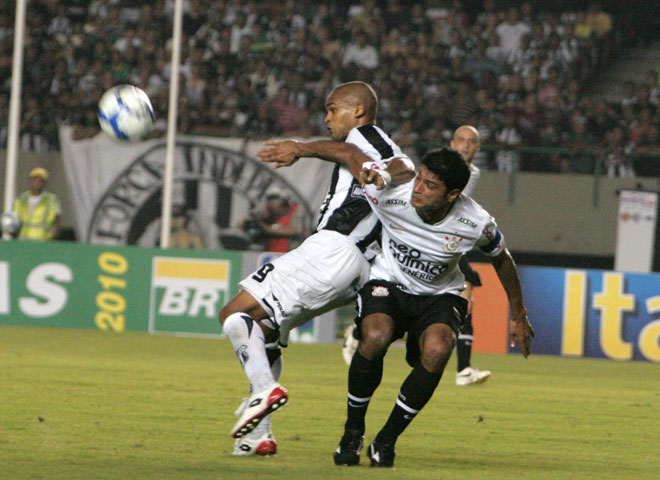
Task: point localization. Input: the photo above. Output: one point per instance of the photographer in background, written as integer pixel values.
(277, 224)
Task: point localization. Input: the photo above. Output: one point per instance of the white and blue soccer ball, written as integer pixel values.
(125, 113)
(10, 223)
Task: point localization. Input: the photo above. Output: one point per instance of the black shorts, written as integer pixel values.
(411, 313)
(469, 274)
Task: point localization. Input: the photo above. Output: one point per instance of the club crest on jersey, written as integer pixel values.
(452, 244)
(380, 291)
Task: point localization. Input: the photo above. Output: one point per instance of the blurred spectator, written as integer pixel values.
(288, 118)
(579, 139)
(652, 81)
(511, 31)
(617, 161)
(563, 163)
(239, 29)
(463, 104)
(599, 21)
(360, 53)
(508, 136)
(601, 119)
(407, 138)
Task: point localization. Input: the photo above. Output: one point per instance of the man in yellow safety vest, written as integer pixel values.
(39, 211)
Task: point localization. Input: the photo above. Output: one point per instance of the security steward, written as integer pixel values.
(39, 211)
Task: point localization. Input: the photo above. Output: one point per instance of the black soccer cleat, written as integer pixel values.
(350, 446)
(381, 454)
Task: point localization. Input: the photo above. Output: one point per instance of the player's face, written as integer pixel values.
(466, 142)
(340, 117)
(430, 192)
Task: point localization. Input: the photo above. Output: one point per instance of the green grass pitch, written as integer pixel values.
(78, 404)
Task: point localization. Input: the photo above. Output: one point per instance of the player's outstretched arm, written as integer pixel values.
(520, 329)
(287, 152)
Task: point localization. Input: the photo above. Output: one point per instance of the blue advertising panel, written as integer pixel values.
(593, 313)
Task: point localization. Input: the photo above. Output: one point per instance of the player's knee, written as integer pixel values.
(435, 358)
(436, 350)
(375, 341)
(242, 303)
(232, 323)
(226, 312)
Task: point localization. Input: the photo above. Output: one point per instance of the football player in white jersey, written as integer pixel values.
(466, 142)
(415, 287)
(324, 272)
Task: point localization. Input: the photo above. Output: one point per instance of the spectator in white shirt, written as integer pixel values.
(511, 31)
(361, 54)
(508, 136)
(238, 30)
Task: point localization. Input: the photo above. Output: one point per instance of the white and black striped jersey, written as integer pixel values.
(345, 209)
(422, 258)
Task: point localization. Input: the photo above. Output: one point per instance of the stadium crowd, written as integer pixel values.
(262, 68)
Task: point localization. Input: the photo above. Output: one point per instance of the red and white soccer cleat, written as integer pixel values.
(264, 445)
(258, 406)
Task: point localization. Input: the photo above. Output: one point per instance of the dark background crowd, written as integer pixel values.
(520, 72)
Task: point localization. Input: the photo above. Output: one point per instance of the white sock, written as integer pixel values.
(249, 343)
(276, 370)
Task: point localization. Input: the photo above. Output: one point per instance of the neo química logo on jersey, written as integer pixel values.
(187, 294)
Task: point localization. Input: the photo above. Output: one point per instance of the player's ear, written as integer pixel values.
(454, 194)
(359, 110)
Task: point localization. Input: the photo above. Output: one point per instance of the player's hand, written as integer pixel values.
(370, 176)
(281, 154)
(521, 330)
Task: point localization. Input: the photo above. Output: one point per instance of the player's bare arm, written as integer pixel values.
(286, 153)
(398, 171)
(520, 329)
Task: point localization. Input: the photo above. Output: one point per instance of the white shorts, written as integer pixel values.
(325, 268)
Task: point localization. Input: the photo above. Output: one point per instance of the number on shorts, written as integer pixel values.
(262, 272)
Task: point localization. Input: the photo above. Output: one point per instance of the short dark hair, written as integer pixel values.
(448, 165)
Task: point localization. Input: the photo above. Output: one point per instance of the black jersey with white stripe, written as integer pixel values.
(345, 209)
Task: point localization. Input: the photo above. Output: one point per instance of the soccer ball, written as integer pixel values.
(125, 113)
(10, 223)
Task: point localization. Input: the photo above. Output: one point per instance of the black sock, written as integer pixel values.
(464, 344)
(273, 352)
(415, 392)
(364, 376)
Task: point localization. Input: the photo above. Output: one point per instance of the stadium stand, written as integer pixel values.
(261, 69)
